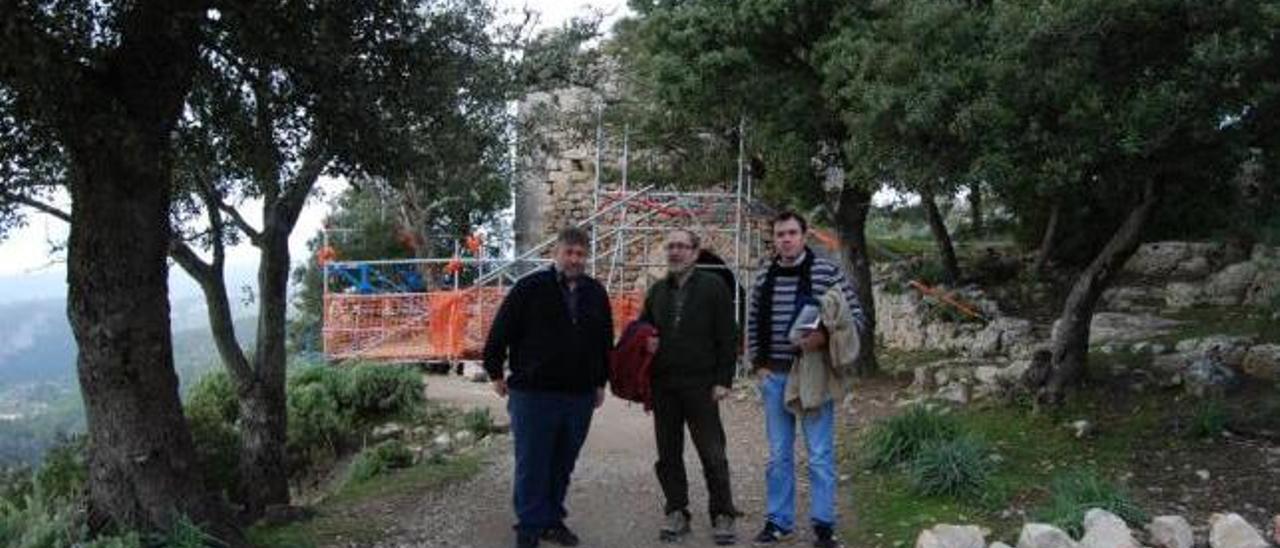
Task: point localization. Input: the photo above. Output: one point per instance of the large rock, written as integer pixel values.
(1132, 299)
(1040, 535)
(1208, 376)
(1263, 361)
(1003, 336)
(1171, 532)
(1232, 531)
(1190, 260)
(1102, 529)
(1229, 286)
(1116, 327)
(953, 536)
(1230, 348)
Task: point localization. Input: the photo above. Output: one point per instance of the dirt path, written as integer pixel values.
(614, 501)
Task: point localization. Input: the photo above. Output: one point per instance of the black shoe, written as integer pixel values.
(526, 540)
(560, 535)
(772, 534)
(824, 537)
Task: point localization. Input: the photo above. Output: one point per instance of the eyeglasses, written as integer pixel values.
(678, 245)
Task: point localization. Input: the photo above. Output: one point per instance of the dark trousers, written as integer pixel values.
(548, 429)
(672, 410)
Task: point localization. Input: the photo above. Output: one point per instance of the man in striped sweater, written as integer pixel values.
(795, 275)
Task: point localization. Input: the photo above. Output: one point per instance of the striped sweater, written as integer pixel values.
(825, 274)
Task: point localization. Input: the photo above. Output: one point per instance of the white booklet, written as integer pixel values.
(808, 320)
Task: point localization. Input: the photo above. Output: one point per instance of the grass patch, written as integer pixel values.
(339, 518)
(900, 439)
(956, 468)
(1203, 321)
(1209, 419)
(1026, 451)
(1075, 492)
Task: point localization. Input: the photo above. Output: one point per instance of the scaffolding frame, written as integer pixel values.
(626, 220)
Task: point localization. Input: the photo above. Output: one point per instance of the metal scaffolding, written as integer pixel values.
(440, 308)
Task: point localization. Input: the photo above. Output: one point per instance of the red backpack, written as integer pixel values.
(631, 364)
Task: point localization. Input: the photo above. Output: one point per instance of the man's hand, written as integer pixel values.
(814, 341)
(500, 387)
(653, 345)
(599, 397)
(719, 392)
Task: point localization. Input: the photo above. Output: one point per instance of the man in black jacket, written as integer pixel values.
(558, 327)
(692, 371)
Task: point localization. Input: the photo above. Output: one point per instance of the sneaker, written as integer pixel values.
(526, 540)
(722, 531)
(772, 534)
(561, 535)
(677, 525)
(824, 537)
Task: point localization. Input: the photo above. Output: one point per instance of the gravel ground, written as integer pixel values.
(614, 501)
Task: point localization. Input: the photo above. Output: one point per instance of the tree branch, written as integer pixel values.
(36, 205)
(314, 159)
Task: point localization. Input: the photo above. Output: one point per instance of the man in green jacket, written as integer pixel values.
(692, 371)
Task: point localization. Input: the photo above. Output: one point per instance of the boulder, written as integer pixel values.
(1171, 532)
(1040, 535)
(952, 536)
(1263, 361)
(1183, 294)
(1176, 259)
(999, 545)
(1208, 376)
(1231, 349)
(1111, 327)
(1232, 531)
(1102, 529)
(388, 431)
(1229, 286)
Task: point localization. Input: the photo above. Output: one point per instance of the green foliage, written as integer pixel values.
(374, 391)
(378, 460)
(1209, 419)
(952, 467)
(214, 397)
(479, 421)
(36, 522)
(899, 439)
(317, 423)
(64, 473)
(1075, 492)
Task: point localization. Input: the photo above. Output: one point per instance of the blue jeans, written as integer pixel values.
(780, 476)
(549, 429)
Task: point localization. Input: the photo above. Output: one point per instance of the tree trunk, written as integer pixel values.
(851, 214)
(946, 251)
(975, 208)
(263, 411)
(1071, 334)
(142, 467)
(1050, 238)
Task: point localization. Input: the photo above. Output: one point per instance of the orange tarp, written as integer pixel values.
(437, 325)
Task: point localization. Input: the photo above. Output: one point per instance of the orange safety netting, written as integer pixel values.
(437, 325)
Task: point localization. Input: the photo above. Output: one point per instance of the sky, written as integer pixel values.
(29, 271)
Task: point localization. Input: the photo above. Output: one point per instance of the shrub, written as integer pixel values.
(1075, 492)
(374, 391)
(956, 467)
(377, 460)
(1210, 419)
(36, 522)
(213, 397)
(317, 424)
(64, 473)
(479, 421)
(217, 450)
(899, 439)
